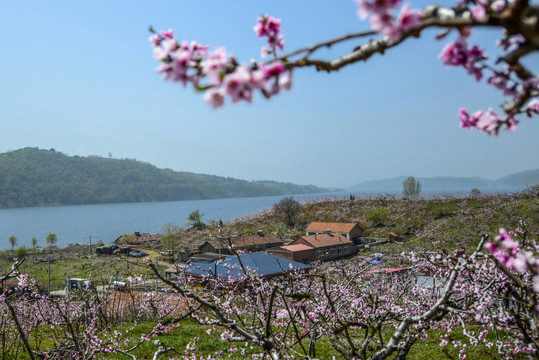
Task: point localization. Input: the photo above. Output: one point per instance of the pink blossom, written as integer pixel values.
(511, 124)
(489, 122)
(520, 263)
(155, 39)
(536, 285)
(214, 65)
(363, 10)
(408, 19)
(498, 5)
(215, 97)
(375, 6)
(500, 81)
(468, 121)
(276, 68)
(267, 25)
(167, 34)
(285, 81)
(270, 27)
(479, 11)
(23, 280)
(237, 85)
(458, 54)
(164, 49)
(533, 106)
(509, 41)
(506, 240)
(455, 53)
(381, 20)
(264, 52)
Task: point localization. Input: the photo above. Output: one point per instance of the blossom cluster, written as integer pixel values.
(458, 53)
(218, 73)
(488, 122)
(270, 27)
(508, 252)
(380, 15)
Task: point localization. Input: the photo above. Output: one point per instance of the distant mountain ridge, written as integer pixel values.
(34, 177)
(512, 182)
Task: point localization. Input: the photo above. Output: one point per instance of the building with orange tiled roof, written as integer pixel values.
(324, 246)
(351, 231)
(297, 252)
(250, 243)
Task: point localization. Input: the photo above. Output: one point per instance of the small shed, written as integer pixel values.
(393, 237)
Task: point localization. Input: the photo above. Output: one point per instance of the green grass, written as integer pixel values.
(99, 268)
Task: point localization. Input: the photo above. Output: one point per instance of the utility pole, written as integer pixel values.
(49, 274)
(90, 240)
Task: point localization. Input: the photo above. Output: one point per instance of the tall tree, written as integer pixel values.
(288, 208)
(195, 219)
(411, 188)
(34, 242)
(12, 241)
(51, 239)
(170, 238)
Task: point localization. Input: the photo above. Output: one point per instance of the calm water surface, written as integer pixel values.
(105, 222)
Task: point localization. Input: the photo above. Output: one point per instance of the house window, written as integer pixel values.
(346, 249)
(339, 250)
(332, 251)
(258, 247)
(319, 254)
(326, 252)
(268, 246)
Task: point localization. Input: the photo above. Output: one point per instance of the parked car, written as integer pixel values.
(167, 253)
(77, 284)
(137, 253)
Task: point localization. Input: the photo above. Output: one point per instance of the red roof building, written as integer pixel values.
(324, 246)
(349, 230)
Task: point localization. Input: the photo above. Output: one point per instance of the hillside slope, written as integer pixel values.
(34, 177)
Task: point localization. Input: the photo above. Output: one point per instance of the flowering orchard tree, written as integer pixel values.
(374, 315)
(222, 76)
(468, 303)
(80, 325)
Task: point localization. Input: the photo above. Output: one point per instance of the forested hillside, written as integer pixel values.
(34, 177)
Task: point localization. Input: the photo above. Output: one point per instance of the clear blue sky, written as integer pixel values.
(79, 76)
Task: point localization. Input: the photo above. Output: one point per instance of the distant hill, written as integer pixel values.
(514, 182)
(34, 177)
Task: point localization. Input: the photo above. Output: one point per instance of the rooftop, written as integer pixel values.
(262, 263)
(296, 247)
(335, 227)
(324, 240)
(245, 241)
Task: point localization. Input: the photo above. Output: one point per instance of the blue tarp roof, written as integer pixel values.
(262, 263)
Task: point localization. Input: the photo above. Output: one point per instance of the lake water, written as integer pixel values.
(105, 222)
